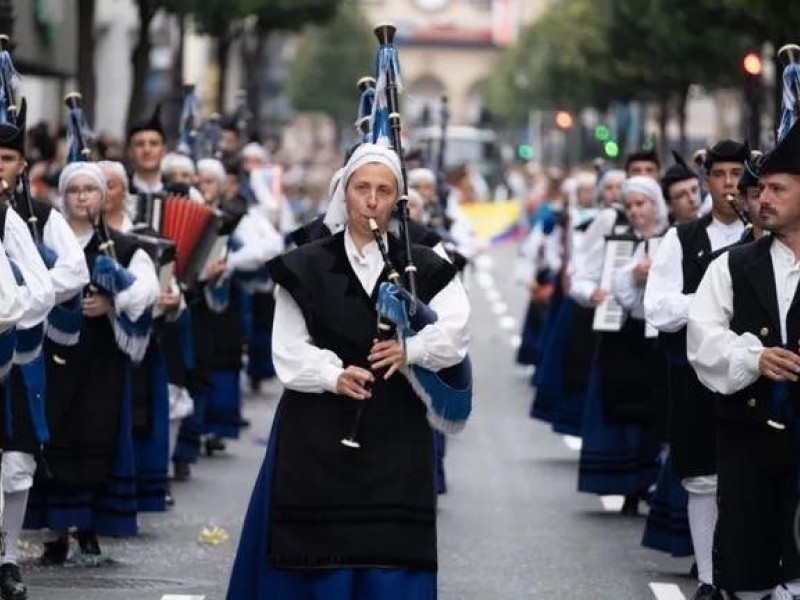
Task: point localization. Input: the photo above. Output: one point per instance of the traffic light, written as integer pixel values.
(525, 151)
(752, 92)
(751, 63)
(564, 120)
(602, 133)
(611, 149)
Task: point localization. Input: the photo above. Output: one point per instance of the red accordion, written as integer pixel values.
(194, 228)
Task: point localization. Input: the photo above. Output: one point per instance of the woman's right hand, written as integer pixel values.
(354, 383)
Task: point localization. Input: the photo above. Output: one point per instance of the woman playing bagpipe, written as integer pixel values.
(624, 404)
(563, 372)
(90, 484)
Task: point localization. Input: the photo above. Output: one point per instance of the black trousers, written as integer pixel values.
(754, 547)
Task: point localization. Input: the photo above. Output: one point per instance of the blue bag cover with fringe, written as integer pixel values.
(8, 343)
(447, 393)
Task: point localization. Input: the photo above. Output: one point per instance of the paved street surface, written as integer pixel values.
(512, 526)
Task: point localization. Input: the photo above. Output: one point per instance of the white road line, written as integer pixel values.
(485, 280)
(493, 294)
(499, 308)
(612, 503)
(516, 341)
(508, 322)
(573, 442)
(484, 262)
(667, 591)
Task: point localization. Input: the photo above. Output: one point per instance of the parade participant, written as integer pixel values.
(178, 169)
(146, 148)
(750, 197)
(11, 306)
(90, 451)
(620, 443)
(326, 355)
(677, 269)
(117, 199)
(643, 162)
(742, 335)
(681, 188)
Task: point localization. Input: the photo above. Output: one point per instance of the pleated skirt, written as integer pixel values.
(667, 525)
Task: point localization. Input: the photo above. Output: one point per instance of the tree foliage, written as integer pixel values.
(329, 62)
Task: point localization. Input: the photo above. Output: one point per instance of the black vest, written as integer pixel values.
(335, 506)
(755, 310)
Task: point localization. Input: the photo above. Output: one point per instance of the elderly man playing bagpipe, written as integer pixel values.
(354, 517)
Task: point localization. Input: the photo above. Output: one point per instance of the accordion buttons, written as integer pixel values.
(764, 332)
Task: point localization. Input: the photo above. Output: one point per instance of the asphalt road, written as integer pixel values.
(512, 526)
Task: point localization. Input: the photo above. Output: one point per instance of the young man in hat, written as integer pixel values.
(147, 146)
(676, 271)
(643, 162)
(681, 188)
(742, 340)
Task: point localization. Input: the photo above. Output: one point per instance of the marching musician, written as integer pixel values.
(681, 187)
(643, 162)
(620, 444)
(742, 340)
(90, 451)
(11, 306)
(326, 355)
(147, 146)
(178, 168)
(117, 186)
(677, 269)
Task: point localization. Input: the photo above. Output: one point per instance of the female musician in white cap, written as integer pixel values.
(373, 532)
(620, 443)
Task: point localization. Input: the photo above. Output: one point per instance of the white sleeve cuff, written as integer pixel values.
(329, 376)
(415, 351)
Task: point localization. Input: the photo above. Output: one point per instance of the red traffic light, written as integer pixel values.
(563, 120)
(751, 63)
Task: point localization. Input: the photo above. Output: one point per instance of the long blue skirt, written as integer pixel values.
(187, 447)
(223, 406)
(529, 350)
(542, 408)
(151, 453)
(667, 526)
(110, 512)
(253, 579)
(259, 347)
(616, 458)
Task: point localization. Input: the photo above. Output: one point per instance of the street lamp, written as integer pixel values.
(752, 92)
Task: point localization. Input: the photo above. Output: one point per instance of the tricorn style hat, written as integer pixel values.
(727, 151)
(678, 172)
(151, 124)
(752, 171)
(12, 136)
(640, 156)
(785, 157)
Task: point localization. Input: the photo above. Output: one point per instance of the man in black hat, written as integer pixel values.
(742, 340)
(681, 186)
(678, 267)
(750, 197)
(643, 162)
(147, 145)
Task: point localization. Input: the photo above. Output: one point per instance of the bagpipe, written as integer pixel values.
(447, 393)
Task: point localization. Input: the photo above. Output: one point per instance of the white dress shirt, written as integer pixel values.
(666, 306)
(69, 274)
(302, 366)
(37, 294)
(627, 291)
(724, 361)
(260, 242)
(11, 306)
(589, 267)
(143, 187)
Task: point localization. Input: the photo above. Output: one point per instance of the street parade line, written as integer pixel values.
(667, 591)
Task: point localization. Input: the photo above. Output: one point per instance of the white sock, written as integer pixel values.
(702, 522)
(13, 518)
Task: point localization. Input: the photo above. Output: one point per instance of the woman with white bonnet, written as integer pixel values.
(90, 452)
(625, 399)
(178, 168)
(360, 544)
(117, 198)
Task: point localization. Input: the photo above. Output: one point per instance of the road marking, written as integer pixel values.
(573, 442)
(516, 341)
(484, 262)
(493, 295)
(667, 591)
(485, 280)
(612, 503)
(500, 308)
(508, 322)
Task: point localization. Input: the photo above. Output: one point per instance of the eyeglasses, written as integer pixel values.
(77, 191)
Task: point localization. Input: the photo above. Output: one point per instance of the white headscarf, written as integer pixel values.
(82, 168)
(608, 177)
(117, 168)
(647, 186)
(421, 175)
(174, 160)
(213, 166)
(336, 217)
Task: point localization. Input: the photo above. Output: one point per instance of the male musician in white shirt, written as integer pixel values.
(147, 146)
(742, 340)
(677, 269)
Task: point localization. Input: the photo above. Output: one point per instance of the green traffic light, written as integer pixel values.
(602, 133)
(612, 149)
(525, 151)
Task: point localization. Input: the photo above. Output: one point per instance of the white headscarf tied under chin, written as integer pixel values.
(336, 217)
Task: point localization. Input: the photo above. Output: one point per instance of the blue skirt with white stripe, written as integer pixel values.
(253, 579)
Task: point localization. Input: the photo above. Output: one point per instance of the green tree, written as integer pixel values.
(328, 63)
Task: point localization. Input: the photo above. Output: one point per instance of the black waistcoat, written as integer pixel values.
(755, 310)
(332, 505)
(84, 393)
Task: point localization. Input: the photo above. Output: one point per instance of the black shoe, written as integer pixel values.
(693, 571)
(55, 552)
(11, 586)
(630, 508)
(244, 423)
(707, 592)
(181, 471)
(87, 540)
(214, 445)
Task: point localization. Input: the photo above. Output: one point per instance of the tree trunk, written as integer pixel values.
(174, 107)
(87, 82)
(140, 61)
(683, 100)
(254, 71)
(223, 51)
